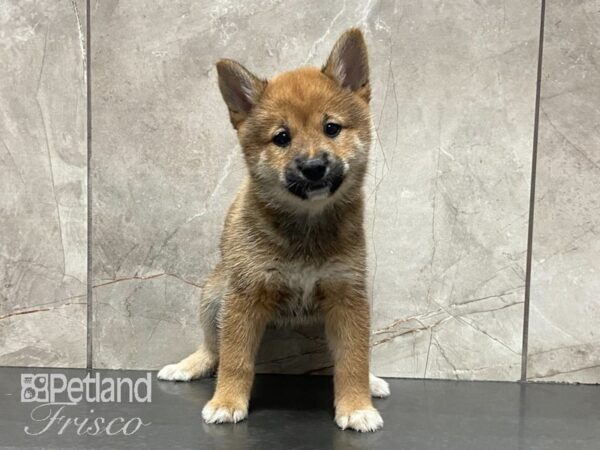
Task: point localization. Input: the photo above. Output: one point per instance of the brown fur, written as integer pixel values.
(286, 259)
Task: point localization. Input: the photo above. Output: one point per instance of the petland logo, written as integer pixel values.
(57, 393)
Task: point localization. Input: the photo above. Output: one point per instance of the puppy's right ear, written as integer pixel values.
(348, 63)
(241, 89)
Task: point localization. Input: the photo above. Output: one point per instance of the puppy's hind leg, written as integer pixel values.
(203, 361)
(378, 386)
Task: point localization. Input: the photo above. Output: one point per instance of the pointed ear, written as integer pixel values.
(348, 63)
(240, 89)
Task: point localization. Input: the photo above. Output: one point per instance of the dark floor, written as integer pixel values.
(296, 413)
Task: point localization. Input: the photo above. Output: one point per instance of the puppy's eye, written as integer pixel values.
(282, 139)
(332, 129)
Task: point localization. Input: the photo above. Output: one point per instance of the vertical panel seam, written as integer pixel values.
(88, 76)
(536, 120)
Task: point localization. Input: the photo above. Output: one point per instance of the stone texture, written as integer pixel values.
(564, 326)
(42, 184)
(454, 111)
(454, 86)
(137, 322)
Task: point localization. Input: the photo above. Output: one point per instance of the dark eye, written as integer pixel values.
(282, 139)
(332, 129)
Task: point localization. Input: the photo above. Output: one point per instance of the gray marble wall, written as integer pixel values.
(454, 110)
(43, 164)
(564, 327)
(454, 89)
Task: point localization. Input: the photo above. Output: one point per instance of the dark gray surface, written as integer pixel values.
(294, 412)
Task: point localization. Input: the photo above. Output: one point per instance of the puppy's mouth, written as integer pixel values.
(307, 189)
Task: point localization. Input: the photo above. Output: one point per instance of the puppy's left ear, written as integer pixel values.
(241, 89)
(348, 63)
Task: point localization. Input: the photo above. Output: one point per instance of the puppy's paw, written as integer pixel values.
(198, 364)
(360, 420)
(175, 372)
(378, 386)
(223, 412)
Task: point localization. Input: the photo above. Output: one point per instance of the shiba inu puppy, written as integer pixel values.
(293, 245)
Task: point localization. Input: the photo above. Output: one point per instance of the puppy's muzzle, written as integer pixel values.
(314, 178)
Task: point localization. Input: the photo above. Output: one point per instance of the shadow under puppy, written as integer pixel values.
(293, 245)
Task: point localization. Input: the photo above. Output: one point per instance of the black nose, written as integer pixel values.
(313, 169)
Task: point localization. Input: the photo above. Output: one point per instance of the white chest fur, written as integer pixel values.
(299, 282)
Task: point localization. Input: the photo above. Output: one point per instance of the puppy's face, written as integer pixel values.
(305, 134)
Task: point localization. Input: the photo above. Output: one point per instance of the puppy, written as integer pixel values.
(293, 245)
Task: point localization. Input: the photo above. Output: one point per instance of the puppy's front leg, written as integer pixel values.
(347, 325)
(244, 321)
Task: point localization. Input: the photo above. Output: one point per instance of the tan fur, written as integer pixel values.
(286, 259)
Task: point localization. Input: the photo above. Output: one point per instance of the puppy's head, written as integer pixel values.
(305, 134)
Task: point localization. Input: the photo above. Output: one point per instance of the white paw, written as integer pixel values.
(360, 420)
(223, 414)
(175, 372)
(378, 386)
